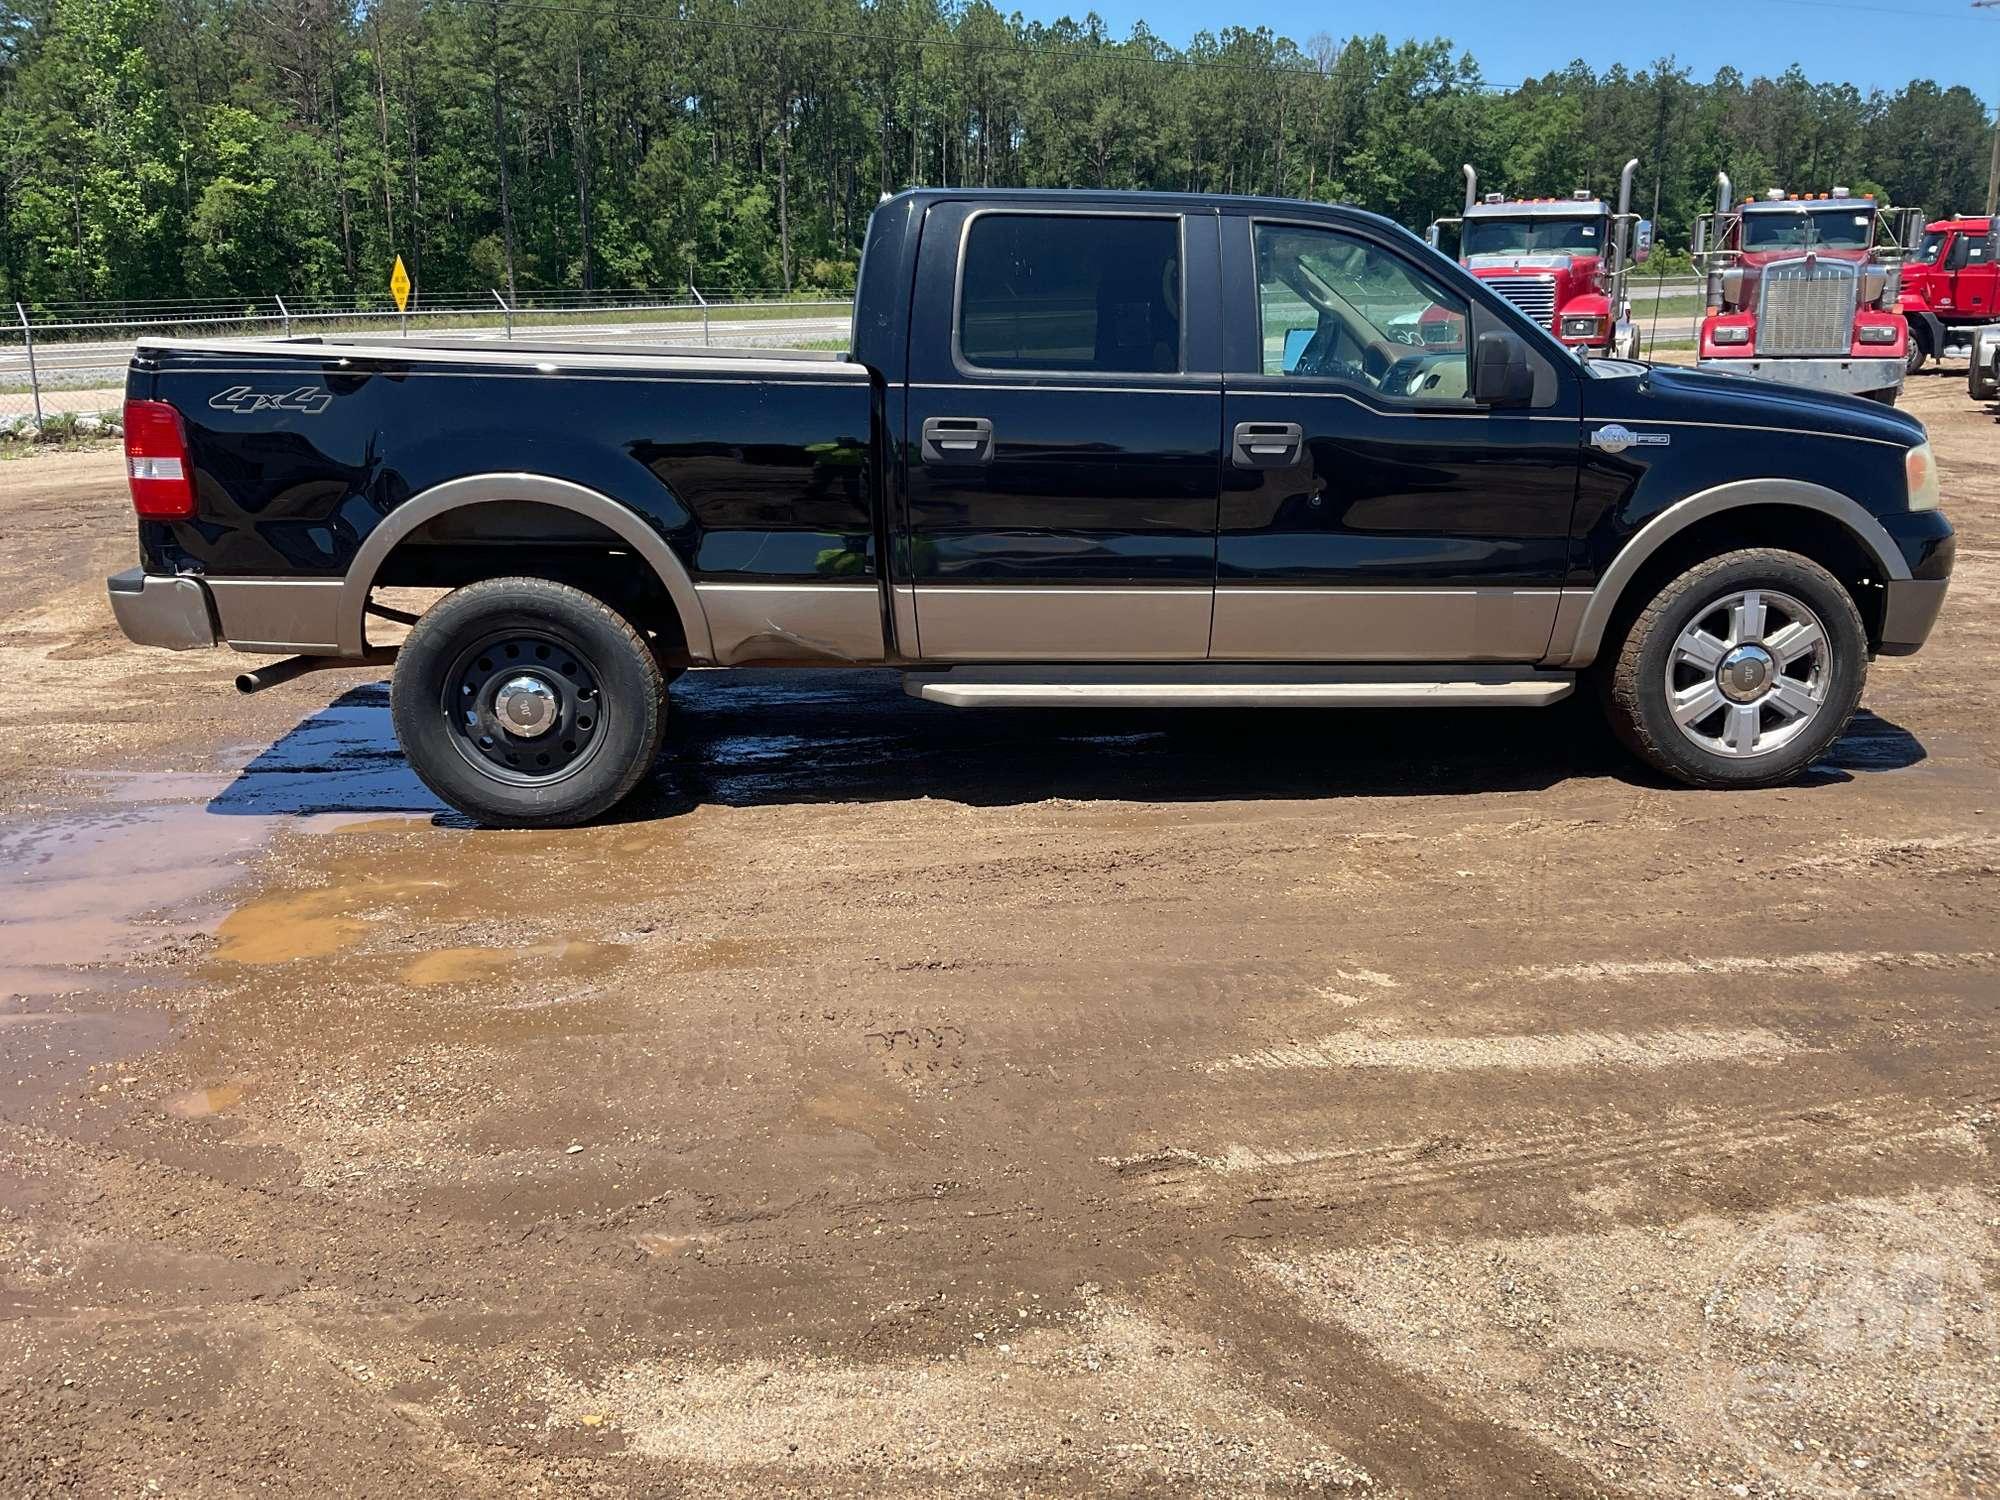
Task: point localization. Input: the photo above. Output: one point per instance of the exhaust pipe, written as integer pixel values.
(1471, 184)
(1624, 209)
(259, 678)
(1725, 193)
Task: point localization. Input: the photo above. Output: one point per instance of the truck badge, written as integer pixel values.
(1613, 438)
(240, 398)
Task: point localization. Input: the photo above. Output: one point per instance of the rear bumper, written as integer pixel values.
(1855, 377)
(1909, 610)
(270, 616)
(160, 611)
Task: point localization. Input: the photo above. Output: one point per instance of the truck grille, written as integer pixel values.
(1806, 307)
(1534, 295)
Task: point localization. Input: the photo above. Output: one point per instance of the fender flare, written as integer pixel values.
(540, 489)
(1597, 606)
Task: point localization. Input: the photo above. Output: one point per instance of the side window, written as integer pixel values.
(1981, 251)
(1071, 292)
(1334, 306)
(1962, 252)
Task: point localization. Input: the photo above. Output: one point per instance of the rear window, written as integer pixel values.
(1071, 292)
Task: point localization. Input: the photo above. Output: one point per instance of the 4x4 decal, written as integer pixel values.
(310, 399)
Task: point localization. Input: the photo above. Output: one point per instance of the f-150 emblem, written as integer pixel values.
(1613, 438)
(240, 398)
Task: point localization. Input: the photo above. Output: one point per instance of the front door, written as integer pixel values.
(1371, 510)
(1061, 435)
(1974, 274)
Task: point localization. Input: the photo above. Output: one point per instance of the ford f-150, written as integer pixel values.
(1085, 448)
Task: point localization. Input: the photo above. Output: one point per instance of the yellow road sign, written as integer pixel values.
(399, 285)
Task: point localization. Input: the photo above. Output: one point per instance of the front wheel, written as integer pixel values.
(527, 704)
(1914, 360)
(1887, 395)
(1740, 672)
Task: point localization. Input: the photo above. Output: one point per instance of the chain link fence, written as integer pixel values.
(62, 365)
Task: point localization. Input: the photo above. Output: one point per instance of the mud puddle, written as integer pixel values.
(104, 905)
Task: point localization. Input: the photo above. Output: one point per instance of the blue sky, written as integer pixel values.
(1869, 43)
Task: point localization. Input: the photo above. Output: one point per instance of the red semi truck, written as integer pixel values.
(1805, 289)
(1562, 261)
(1951, 286)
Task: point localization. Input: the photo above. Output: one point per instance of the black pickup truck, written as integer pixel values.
(1087, 448)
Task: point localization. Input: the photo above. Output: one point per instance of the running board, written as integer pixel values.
(1226, 686)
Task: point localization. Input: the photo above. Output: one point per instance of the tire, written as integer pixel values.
(523, 651)
(1914, 360)
(1796, 715)
(1980, 383)
(1887, 395)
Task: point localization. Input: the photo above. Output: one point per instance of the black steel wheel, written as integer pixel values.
(525, 703)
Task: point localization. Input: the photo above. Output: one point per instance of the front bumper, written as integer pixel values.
(161, 611)
(1909, 609)
(1855, 377)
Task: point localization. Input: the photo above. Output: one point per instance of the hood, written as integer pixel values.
(1675, 393)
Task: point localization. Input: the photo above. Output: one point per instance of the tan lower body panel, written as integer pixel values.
(1083, 623)
(279, 615)
(768, 623)
(1361, 625)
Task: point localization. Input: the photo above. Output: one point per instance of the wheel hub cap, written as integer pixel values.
(1746, 673)
(525, 706)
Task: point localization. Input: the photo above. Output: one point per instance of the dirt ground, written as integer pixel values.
(898, 1101)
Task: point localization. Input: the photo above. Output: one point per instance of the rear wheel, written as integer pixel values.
(527, 704)
(1740, 672)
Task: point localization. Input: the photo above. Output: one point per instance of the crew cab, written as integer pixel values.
(1951, 286)
(1085, 448)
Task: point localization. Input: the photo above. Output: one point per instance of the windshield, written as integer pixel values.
(1831, 229)
(1927, 252)
(1536, 236)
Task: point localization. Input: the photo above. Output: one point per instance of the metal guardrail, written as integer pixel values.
(67, 362)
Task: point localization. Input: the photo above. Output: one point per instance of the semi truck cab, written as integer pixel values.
(1562, 261)
(1805, 289)
(1951, 286)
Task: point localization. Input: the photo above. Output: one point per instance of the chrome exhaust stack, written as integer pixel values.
(1471, 184)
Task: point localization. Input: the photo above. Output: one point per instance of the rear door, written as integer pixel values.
(1371, 509)
(1062, 434)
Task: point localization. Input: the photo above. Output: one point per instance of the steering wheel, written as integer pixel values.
(1404, 373)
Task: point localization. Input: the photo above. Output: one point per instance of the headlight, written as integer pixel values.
(1920, 469)
(1582, 328)
(1878, 333)
(1731, 333)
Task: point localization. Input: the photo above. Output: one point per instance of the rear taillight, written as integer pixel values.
(156, 461)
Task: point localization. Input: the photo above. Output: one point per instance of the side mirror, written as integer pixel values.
(1501, 375)
(1642, 242)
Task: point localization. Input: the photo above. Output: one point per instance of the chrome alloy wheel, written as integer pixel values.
(1748, 674)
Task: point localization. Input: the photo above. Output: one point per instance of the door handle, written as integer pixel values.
(957, 440)
(1266, 445)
